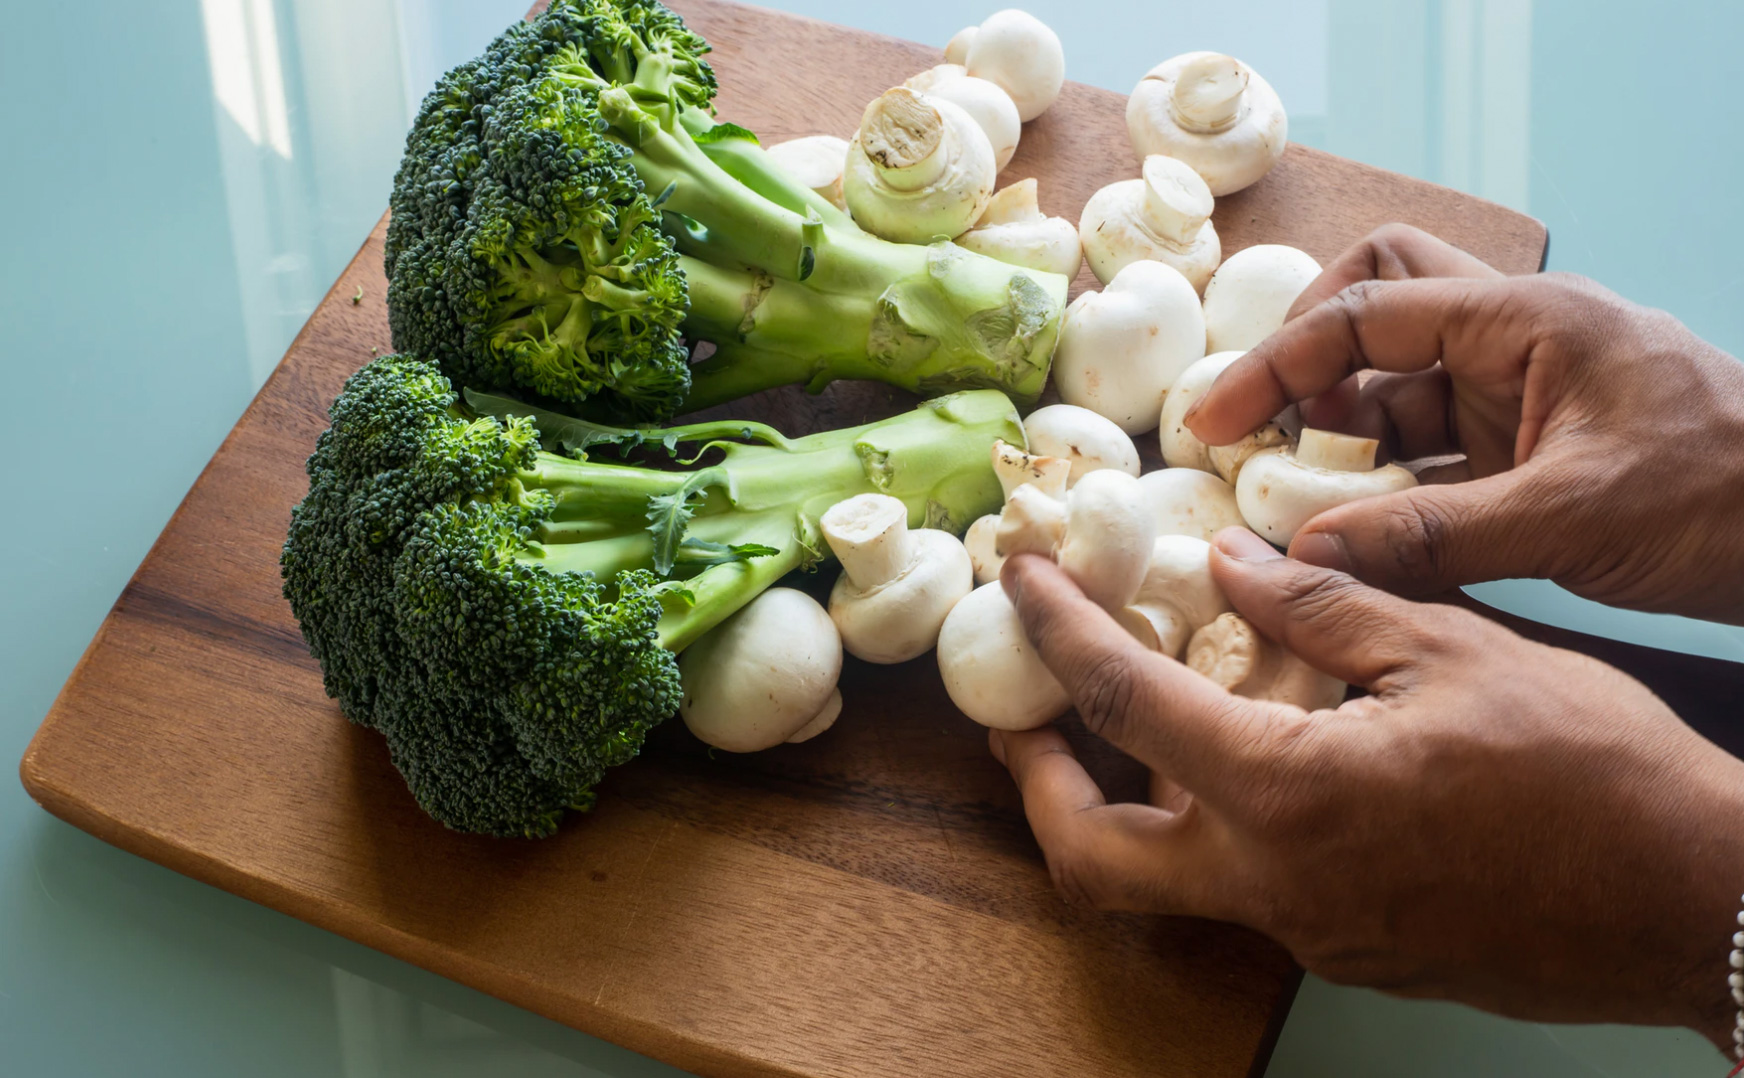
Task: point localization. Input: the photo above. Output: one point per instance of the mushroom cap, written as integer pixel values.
(816, 161)
(1234, 141)
(1231, 652)
(957, 49)
(1185, 501)
(1251, 292)
(1109, 536)
(1121, 349)
(991, 671)
(1164, 216)
(1278, 493)
(1181, 448)
(1090, 441)
(763, 674)
(1176, 596)
(989, 106)
(936, 75)
(899, 619)
(980, 542)
(1018, 53)
(1013, 229)
(919, 168)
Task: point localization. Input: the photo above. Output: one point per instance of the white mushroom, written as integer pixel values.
(1281, 489)
(1182, 449)
(1251, 292)
(896, 585)
(1089, 441)
(957, 49)
(989, 106)
(1013, 229)
(981, 542)
(1232, 653)
(1121, 349)
(764, 676)
(1184, 501)
(1164, 215)
(918, 168)
(1213, 112)
(991, 671)
(1017, 52)
(815, 161)
(1176, 596)
(1101, 534)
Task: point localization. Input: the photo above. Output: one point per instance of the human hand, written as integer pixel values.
(1500, 823)
(1604, 442)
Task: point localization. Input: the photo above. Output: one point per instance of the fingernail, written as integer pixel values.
(1323, 549)
(1243, 545)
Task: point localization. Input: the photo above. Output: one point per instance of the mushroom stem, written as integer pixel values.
(1158, 626)
(1336, 452)
(1208, 93)
(869, 535)
(901, 133)
(1015, 468)
(1031, 523)
(1176, 201)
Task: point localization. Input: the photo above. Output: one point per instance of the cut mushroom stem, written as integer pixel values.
(1229, 651)
(1015, 468)
(1101, 535)
(1214, 113)
(1336, 452)
(1164, 215)
(896, 585)
(1208, 93)
(1014, 230)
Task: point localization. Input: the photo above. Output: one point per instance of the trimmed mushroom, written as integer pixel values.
(1176, 597)
(1213, 112)
(1232, 653)
(896, 585)
(1013, 229)
(991, 670)
(1101, 534)
(980, 541)
(1279, 490)
(1089, 441)
(1164, 215)
(764, 676)
(1121, 349)
(918, 168)
(1017, 52)
(815, 161)
(989, 106)
(1251, 292)
(1184, 501)
(1182, 449)
(1228, 460)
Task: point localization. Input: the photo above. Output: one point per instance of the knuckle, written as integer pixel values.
(1108, 694)
(1419, 541)
(1323, 601)
(1077, 879)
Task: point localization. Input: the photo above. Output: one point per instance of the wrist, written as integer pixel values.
(1713, 914)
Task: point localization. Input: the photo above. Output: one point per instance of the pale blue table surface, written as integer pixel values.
(182, 179)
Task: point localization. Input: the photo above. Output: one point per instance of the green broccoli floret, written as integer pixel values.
(567, 213)
(507, 615)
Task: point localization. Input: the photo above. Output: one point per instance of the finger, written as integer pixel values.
(1434, 537)
(1410, 414)
(1334, 623)
(1392, 252)
(1129, 857)
(1148, 705)
(1398, 326)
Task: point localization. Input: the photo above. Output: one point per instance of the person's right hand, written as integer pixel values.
(1604, 442)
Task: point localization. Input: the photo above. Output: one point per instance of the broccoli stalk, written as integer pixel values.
(525, 249)
(507, 615)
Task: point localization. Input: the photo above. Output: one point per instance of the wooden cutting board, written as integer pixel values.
(867, 904)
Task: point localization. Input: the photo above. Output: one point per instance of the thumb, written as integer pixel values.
(1429, 539)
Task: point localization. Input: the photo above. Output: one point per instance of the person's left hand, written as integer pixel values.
(1505, 824)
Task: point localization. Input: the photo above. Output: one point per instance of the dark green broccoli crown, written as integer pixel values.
(523, 249)
(505, 690)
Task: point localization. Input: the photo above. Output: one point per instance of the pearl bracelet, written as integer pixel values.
(1736, 980)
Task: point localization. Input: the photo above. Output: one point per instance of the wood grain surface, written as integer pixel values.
(866, 904)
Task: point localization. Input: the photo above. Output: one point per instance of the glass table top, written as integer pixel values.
(186, 177)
